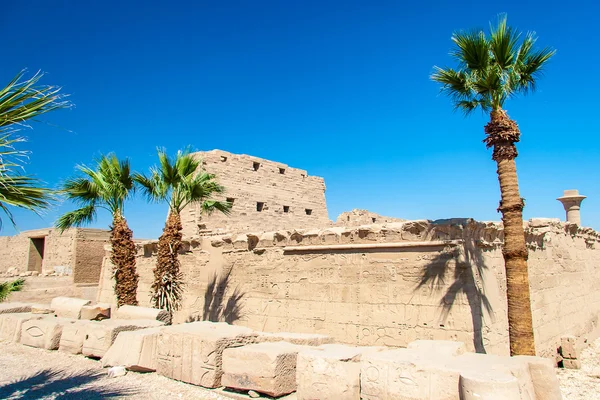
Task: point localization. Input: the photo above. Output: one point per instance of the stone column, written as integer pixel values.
(571, 201)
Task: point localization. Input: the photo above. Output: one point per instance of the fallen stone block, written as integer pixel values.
(9, 308)
(99, 336)
(135, 312)
(268, 368)
(489, 385)
(73, 335)
(571, 364)
(306, 339)
(543, 376)
(136, 350)
(408, 374)
(43, 333)
(41, 309)
(10, 325)
(68, 307)
(568, 347)
(330, 371)
(96, 312)
(441, 347)
(193, 352)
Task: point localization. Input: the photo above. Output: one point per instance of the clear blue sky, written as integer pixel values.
(339, 88)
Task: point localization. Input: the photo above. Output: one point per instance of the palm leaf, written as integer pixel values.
(6, 288)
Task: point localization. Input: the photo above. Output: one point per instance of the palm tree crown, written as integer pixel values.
(177, 181)
(108, 186)
(491, 69)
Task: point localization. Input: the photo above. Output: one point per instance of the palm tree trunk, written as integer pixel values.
(503, 133)
(123, 259)
(168, 285)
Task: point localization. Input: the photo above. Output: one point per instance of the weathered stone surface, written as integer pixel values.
(10, 325)
(73, 336)
(441, 347)
(14, 308)
(43, 333)
(408, 374)
(41, 309)
(307, 339)
(330, 372)
(99, 336)
(96, 312)
(193, 352)
(68, 307)
(568, 347)
(135, 350)
(268, 368)
(543, 376)
(571, 364)
(489, 385)
(134, 312)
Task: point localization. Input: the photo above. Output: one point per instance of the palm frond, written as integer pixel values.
(79, 217)
(472, 50)
(503, 43)
(8, 287)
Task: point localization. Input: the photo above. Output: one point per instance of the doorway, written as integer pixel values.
(36, 254)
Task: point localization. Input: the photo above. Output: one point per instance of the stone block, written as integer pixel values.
(268, 368)
(99, 336)
(571, 364)
(41, 309)
(331, 371)
(135, 312)
(568, 347)
(306, 339)
(9, 308)
(73, 335)
(489, 385)
(135, 350)
(441, 347)
(543, 376)
(68, 307)
(43, 333)
(408, 374)
(193, 352)
(10, 325)
(96, 312)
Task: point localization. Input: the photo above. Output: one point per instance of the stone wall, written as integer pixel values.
(266, 195)
(387, 284)
(363, 217)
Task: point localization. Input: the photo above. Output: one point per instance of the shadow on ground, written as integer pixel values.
(468, 264)
(60, 385)
(217, 306)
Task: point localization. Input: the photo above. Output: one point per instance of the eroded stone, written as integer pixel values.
(138, 313)
(136, 350)
(99, 336)
(68, 307)
(43, 333)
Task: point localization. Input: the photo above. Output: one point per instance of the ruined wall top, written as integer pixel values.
(363, 217)
(266, 195)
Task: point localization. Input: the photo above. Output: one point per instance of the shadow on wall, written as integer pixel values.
(217, 307)
(468, 269)
(61, 384)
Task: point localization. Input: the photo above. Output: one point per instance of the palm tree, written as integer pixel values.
(492, 69)
(180, 183)
(107, 187)
(8, 287)
(21, 101)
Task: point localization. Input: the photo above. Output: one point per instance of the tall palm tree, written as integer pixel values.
(21, 101)
(107, 187)
(492, 69)
(180, 182)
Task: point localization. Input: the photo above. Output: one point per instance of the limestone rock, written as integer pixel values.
(43, 333)
(268, 368)
(543, 376)
(568, 347)
(115, 372)
(489, 385)
(136, 350)
(307, 339)
(10, 325)
(96, 312)
(7, 308)
(441, 347)
(99, 336)
(253, 395)
(68, 307)
(41, 309)
(135, 312)
(193, 352)
(571, 364)
(73, 336)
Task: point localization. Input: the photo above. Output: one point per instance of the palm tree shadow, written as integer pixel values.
(469, 267)
(217, 306)
(62, 384)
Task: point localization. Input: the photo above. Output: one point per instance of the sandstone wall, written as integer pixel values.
(14, 252)
(89, 254)
(387, 284)
(266, 195)
(363, 217)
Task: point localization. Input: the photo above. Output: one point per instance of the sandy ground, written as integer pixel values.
(29, 373)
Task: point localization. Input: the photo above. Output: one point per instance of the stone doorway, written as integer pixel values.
(36, 254)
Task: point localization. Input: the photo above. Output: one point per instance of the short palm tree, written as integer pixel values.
(492, 69)
(107, 187)
(8, 287)
(180, 182)
(21, 101)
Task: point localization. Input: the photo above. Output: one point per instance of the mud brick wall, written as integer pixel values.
(266, 195)
(387, 284)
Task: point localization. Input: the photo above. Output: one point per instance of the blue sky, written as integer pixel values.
(340, 89)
